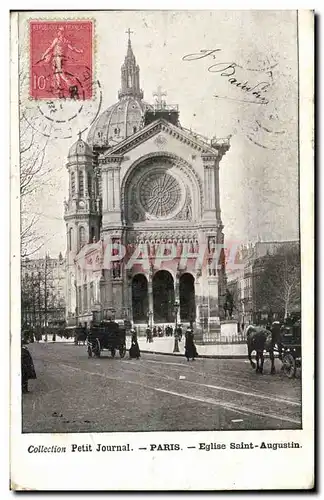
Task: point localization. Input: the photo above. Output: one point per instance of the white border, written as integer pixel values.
(307, 183)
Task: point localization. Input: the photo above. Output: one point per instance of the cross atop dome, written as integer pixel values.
(159, 94)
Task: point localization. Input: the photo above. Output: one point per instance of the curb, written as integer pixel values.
(204, 356)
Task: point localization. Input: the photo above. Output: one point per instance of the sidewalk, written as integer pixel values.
(165, 345)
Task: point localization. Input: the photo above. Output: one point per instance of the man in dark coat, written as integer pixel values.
(27, 368)
(134, 351)
(190, 348)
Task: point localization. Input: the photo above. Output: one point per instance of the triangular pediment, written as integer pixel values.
(155, 128)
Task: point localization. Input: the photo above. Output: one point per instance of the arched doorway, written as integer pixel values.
(139, 299)
(163, 297)
(187, 297)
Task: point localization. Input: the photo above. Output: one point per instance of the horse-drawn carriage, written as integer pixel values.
(106, 335)
(291, 347)
(284, 339)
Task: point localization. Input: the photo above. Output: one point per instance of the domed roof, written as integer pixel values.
(119, 121)
(125, 117)
(80, 148)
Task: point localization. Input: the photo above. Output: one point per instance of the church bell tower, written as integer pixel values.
(82, 215)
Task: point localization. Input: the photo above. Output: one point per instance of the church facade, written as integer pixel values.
(143, 217)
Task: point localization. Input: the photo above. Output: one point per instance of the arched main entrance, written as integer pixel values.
(187, 297)
(163, 297)
(139, 299)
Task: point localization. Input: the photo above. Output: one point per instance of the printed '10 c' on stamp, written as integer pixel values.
(61, 64)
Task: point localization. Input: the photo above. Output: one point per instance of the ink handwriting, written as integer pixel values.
(228, 70)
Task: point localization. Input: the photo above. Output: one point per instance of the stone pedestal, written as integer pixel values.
(208, 331)
(228, 329)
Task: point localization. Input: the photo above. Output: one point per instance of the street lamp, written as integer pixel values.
(176, 340)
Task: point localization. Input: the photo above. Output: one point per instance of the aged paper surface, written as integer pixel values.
(161, 265)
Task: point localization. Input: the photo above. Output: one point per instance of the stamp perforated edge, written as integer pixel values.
(27, 43)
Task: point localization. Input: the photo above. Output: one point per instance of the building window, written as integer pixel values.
(70, 238)
(81, 184)
(89, 185)
(73, 183)
(93, 233)
(134, 130)
(82, 237)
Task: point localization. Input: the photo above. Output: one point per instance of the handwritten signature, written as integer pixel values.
(228, 70)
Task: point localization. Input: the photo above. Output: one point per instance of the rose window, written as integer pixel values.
(160, 194)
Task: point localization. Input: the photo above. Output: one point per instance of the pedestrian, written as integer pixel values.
(168, 331)
(179, 332)
(27, 368)
(190, 348)
(134, 351)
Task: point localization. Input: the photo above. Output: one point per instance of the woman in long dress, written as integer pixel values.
(134, 351)
(190, 348)
(27, 368)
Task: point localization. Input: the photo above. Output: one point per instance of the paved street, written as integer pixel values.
(156, 393)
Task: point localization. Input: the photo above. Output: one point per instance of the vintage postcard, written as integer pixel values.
(162, 250)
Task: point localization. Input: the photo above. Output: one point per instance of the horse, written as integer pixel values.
(260, 339)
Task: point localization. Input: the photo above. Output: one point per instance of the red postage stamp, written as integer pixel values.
(61, 59)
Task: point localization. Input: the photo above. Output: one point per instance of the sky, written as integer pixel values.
(259, 174)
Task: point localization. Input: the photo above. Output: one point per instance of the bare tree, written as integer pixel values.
(41, 301)
(34, 172)
(34, 169)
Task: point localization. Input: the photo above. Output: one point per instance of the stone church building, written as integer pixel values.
(143, 184)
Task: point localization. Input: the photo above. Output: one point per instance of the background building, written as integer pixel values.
(43, 292)
(267, 286)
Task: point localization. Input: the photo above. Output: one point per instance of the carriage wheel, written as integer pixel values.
(113, 352)
(289, 365)
(89, 351)
(122, 351)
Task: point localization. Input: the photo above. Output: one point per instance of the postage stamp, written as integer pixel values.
(61, 56)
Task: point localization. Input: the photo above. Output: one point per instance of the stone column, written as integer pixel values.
(104, 186)
(209, 162)
(102, 291)
(76, 181)
(89, 297)
(177, 294)
(217, 196)
(150, 293)
(80, 307)
(108, 288)
(76, 300)
(111, 211)
(201, 328)
(129, 303)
